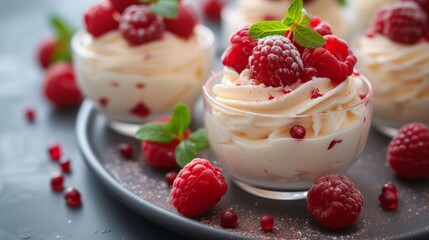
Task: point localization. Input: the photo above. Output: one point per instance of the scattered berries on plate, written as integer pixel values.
(72, 197)
(402, 22)
(334, 201)
(183, 24)
(408, 152)
(60, 87)
(170, 177)
(55, 151)
(57, 182)
(228, 219)
(30, 114)
(197, 188)
(99, 19)
(333, 60)
(45, 52)
(65, 165)
(276, 62)
(121, 5)
(236, 56)
(126, 150)
(139, 25)
(266, 222)
(212, 9)
(389, 196)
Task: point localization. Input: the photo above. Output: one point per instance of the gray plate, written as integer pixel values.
(144, 190)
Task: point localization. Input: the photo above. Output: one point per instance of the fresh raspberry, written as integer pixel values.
(322, 27)
(162, 155)
(237, 55)
(139, 25)
(276, 62)
(212, 9)
(182, 25)
(99, 19)
(402, 22)
(197, 188)
(59, 85)
(121, 5)
(424, 4)
(334, 201)
(333, 60)
(408, 152)
(45, 52)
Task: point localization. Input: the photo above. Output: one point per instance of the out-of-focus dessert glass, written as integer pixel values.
(255, 139)
(135, 84)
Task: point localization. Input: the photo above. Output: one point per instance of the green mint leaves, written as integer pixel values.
(63, 35)
(163, 8)
(175, 129)
(296, 21)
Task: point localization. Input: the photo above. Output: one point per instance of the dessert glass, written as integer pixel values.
(145, 82)
(399, 74)
(257, 150)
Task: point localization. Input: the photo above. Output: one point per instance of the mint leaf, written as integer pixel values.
(154, 132)
(165, 8)
(295, 10)
(180, 120)
(145, 1)
(288, 21)
(342, 2)
(63, 35)
(305, 20)
(185, 152)
(199, 138)
(267, 28)
(307, 37)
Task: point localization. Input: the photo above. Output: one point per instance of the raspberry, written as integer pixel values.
(139, 25)
(197, 188)
(45, 51)
(334, 201)
(424, 4)
(236, 56)
(333, 60)
(59, 85)
(408, 152)
(402, 22)
(322, 27)
(212, 9)
(99, 19)
(276, 62)
(121, 5)
(183, 25)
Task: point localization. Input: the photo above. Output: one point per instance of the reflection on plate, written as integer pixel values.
(144, 190)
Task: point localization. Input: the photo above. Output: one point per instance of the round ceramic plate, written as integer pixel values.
(144, 190)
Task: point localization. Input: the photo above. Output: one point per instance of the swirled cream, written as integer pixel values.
(400, 76)
(248, 126)
(139, 83)
(252, 11)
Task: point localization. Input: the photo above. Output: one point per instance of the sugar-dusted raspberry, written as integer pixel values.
(139, 25)
(402, 22)
(99, 19)
(197, 188)
(60, 87)
(212, 9)
(334, 201)
(236, 56)
(320, 26)
(408, 152)
(276, 62)
(182, 25)
(333, 60)
(121, 5)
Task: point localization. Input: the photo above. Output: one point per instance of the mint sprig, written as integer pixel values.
(63, 35)
(296, 21)
(163, 8)
(175, 129)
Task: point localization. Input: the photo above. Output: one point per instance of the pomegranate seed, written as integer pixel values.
(55, 151)
(388, 200)
(228, 219)
(391, 188)
(315, 93)
(65, 165)
(30, 114)
(72, 197)
(266, 222)
(334, 142)
(170, 177)
(297, 132)
(126, 150)
(57, 182)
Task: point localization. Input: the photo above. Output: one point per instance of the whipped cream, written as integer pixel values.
(248, 127)
(155, 76)
(400, 76)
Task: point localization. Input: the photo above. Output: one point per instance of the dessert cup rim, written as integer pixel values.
(209, 96)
